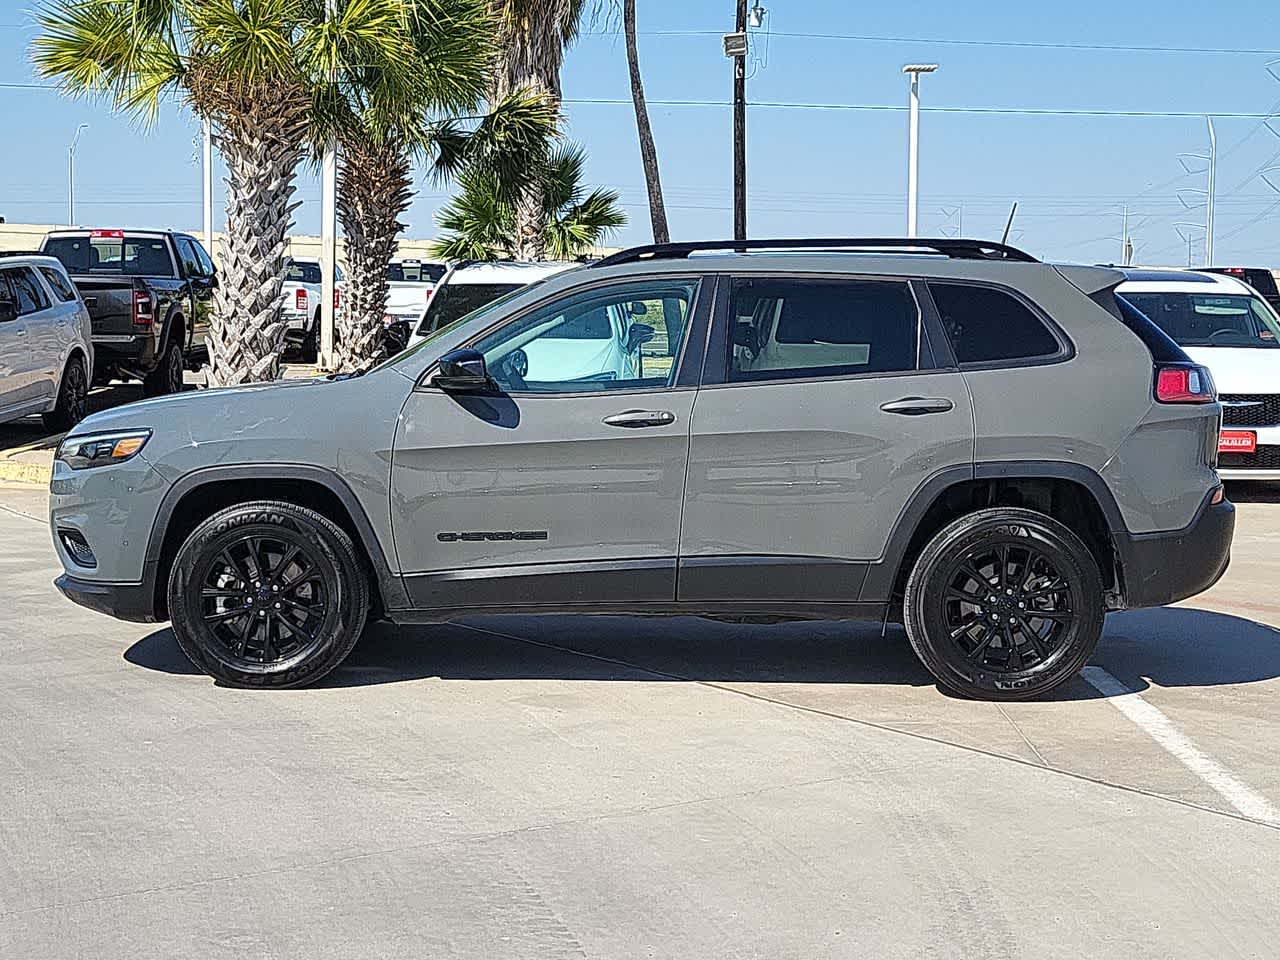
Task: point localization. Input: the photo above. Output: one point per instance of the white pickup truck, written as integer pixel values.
(410, 282)
(300, 302)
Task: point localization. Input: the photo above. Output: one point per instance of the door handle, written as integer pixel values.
(641, 418)
(918, 406)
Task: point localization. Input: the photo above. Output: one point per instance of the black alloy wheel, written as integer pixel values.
(268, 594)
(1004, 604)
(166, 378)
(73, 398)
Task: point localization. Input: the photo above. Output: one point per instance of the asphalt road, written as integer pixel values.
(611, 787)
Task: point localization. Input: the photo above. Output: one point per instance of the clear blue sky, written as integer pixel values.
(818, 172)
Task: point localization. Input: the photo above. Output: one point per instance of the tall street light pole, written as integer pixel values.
(1209, 199)
(328, 233)
(740, 128)
(206, 129)
(913, 144)
(71, 175)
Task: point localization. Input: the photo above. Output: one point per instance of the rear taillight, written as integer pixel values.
(142, 313)
(426, 294)
(300, 301)
(1184, 383)
(337, 298)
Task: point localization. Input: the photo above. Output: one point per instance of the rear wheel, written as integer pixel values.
(1004, 604)
(167, 376)
(73, 398)
(268, 594)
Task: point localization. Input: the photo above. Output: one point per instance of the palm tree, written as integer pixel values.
(648, 151)
(532, 38)
(483, 220)
(253, 68)
(385, 120)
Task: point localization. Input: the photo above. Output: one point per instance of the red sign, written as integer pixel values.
(1238, 441)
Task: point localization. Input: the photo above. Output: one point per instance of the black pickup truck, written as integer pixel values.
(148, 294)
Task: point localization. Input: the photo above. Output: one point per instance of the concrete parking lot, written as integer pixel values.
(615, 787)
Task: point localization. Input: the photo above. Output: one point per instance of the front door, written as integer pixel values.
(822, 413)
(564, 483)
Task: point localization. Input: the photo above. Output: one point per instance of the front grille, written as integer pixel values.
(1267, 458)
(1263, 409)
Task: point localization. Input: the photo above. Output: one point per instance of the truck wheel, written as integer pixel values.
(1004, 604)
(267, 594)
(167, 376)
(73, 398)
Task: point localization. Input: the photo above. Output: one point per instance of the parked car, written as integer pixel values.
(469, 285)
(1262, 280)
(300, 300)
(149, 294)
(46, 348)
(994, 449)
(410, 283)
(1226, 325)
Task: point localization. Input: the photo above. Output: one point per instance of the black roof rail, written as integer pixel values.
(25, 253)
(957, 249)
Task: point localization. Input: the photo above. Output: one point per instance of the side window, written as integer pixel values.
(60, 285)
(613, 338)
(28, 294)
(788, 328)
(191, 265)
(988, 325)
(207, 269)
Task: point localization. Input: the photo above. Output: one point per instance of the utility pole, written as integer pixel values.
(740, 128)
(1213, 176)
(207, 130)
(1126, 241)
(71, 175)
(913, 143)
(328, 231)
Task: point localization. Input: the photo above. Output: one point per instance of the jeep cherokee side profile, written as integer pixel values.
(994, 449)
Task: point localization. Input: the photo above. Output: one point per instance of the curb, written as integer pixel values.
(15, 471)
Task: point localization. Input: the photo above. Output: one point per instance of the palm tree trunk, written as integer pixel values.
(374, 189)
(648, 151)
(262, 147)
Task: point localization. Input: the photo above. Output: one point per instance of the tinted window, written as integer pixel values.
(413, 271)
(303, 272)
(1203, 320)
(815, 328)
(206, 264)
(190, 262)
(130, 256)
(620, 337)
(455, 300)
(60, 285)
(987, 325)
(28, 294)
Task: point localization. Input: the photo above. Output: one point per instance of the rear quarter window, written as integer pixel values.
(987, 325)
(58, 282)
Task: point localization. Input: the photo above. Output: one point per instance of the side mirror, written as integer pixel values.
(8, 311)
(638, 334)
(462, 370)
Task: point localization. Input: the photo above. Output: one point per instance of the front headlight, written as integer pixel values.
(100, 449)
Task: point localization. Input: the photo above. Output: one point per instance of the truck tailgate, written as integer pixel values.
(110, 303)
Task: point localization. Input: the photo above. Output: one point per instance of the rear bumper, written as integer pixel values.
(1160, 568)
(135, 350)
(124, 601)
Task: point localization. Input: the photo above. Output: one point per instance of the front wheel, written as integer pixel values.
(267, 594)
(1004, 604)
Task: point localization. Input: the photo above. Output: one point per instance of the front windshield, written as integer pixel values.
(1209, 320)
(431, 335)
(456, 300)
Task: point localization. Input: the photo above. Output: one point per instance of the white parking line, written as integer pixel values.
(1161, 729)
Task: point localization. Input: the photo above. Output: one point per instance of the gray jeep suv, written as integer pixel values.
(995, 450)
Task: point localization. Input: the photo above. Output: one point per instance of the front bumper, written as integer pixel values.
(124, 601)
(1161, 568)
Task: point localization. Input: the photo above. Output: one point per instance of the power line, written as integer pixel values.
(1028, 44)
(895, 108)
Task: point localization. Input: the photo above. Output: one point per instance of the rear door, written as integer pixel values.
(822, 412)
(13, 340)
(562, 485)
(200, 274)
(26, 362)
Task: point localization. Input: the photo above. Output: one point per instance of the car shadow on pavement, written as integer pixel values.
(1168, 647)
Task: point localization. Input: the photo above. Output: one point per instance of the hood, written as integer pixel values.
(189, 406)
(1240, 369)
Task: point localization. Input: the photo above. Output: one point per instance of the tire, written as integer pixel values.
(1030, 623)
(166, 378)
(309, 349)
(73, 398)
(288, 637)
